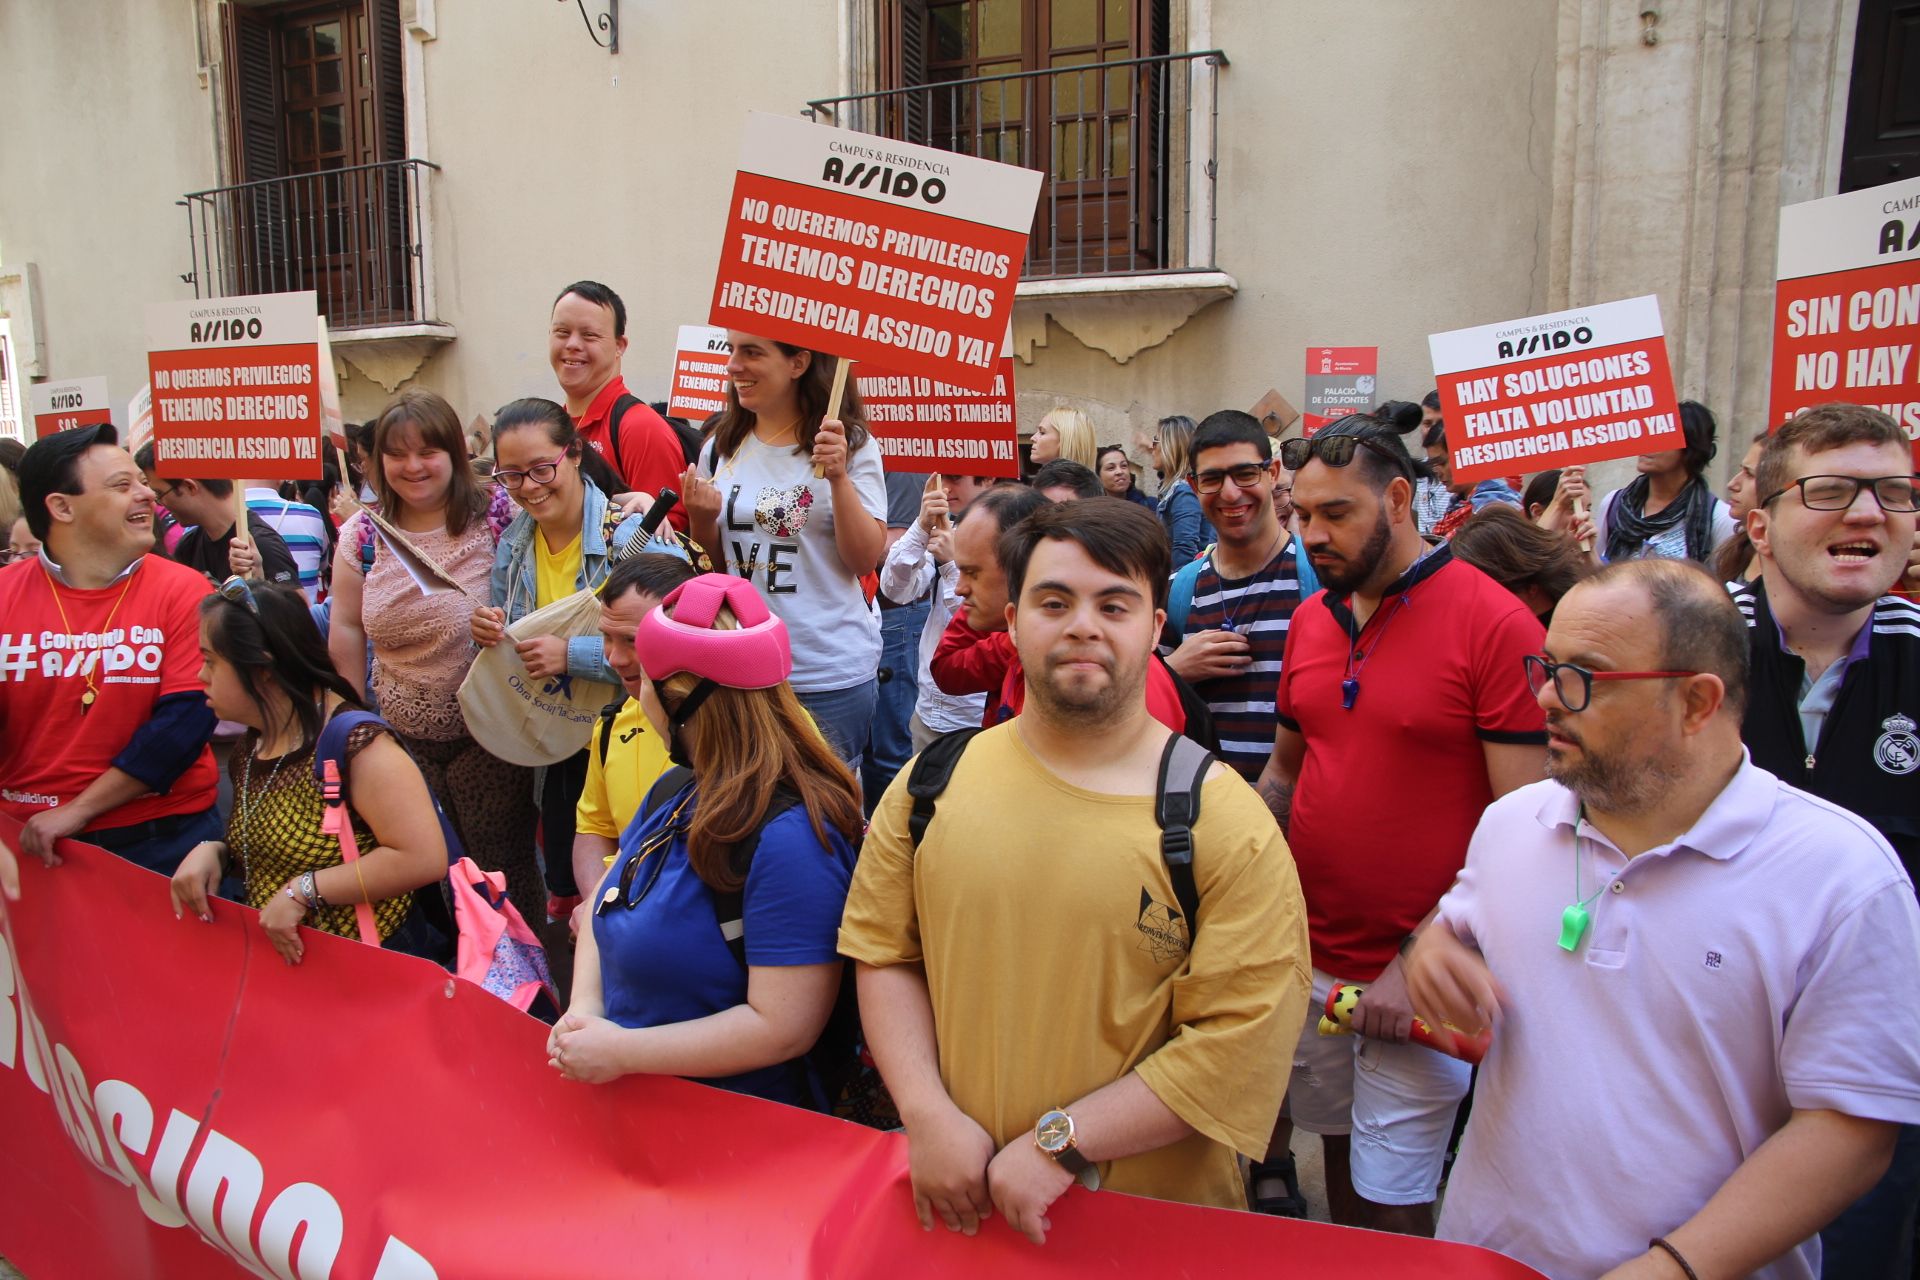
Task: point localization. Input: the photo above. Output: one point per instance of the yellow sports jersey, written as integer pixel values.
(556, 573)
(616, 784)
(1057, 959)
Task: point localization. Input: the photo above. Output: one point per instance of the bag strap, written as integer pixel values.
(1176, 807)
(932, 771)
(330, 771)
(615, 417)
(730, 907)
(608, 714)
(667, 784)
(1180, 592)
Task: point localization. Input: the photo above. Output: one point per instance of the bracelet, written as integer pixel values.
(295, 899)
(1663, 1244)
(310, 885)
(1406, 943)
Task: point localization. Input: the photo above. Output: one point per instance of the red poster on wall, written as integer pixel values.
(880, 251)
(236, 387)
(1846, 313)
(1548, 391)
(62, 406)
(927, 426)
(1340, 381)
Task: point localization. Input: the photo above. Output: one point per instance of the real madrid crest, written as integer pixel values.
(1897, 750)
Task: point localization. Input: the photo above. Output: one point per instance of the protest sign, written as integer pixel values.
(236, 387)
(698, 389)
(139, 420)
(1547, 391)
(1846, 311)
(62, 406)
(1340, 381)
(925, 426)
(333, 422)
(146, 1088)
(874, 250)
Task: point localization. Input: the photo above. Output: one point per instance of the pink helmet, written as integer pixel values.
(678, 635)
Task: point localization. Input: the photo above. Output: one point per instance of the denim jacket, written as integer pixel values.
(1187, 528)
(516, 572)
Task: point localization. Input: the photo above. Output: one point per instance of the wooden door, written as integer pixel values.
(1882, 140)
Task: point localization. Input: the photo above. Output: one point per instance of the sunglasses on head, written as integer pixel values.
(1338, 451)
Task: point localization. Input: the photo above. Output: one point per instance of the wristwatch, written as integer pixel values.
(1054, 1135)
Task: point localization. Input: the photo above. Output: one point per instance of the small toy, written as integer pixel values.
(1337, 1020)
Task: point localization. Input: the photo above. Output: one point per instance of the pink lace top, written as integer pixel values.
(420, 646)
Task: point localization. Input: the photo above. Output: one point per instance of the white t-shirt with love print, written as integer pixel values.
(776, 531)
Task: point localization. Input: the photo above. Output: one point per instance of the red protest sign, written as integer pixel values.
(1549, 391)
(1846, 313)
(62, 406)
(875, 250)
(926, 426)
(147, 1088)
(1340, 381)
(699, 386)
(236, 387)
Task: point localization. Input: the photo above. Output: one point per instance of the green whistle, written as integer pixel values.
(1573, 926)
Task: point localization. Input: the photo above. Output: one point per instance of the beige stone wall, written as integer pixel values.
(107, 125)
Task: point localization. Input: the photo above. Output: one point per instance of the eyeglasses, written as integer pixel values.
(159, 494)
(236, 589)
(539, 473)
(1244, 475)
(1540, 671)
(1836, 493)
(1337, 451)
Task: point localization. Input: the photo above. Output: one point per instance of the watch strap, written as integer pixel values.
(1072, 1161)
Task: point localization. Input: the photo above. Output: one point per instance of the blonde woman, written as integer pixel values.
(1179, 508)
(1065, 432)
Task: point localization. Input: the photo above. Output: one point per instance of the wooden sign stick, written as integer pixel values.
(840, 366)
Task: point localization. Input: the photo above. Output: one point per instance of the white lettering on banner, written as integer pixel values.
(57, 655)
(113, 1122)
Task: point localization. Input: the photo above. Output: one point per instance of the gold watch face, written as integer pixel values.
(1054, 1132)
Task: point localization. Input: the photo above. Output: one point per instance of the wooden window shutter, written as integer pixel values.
(389, 81)
(253, 95)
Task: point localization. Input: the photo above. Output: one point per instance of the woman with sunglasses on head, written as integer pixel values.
(1178, 507)
(265, 667)
(562, 541)
(754, 831)
(419, 470)
(797, 504)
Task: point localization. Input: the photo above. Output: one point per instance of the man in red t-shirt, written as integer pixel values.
(103, 720)
(586, 337)
(1403, 711)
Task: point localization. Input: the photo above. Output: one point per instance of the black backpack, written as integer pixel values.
(688, 434)
(1176, 804)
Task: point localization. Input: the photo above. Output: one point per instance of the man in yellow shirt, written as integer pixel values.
(626, 755)
(1039, 1005)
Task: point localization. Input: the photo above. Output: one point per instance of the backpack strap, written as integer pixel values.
(336, 817)
(333, 744)
(615, 417)
(1176, 807)
(730, 907)
(608, 714)
(1180, 592)
(932, 771)
(666, 785)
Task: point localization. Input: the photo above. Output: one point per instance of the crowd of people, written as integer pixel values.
(1069, 807)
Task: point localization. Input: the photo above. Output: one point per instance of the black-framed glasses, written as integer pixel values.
(1837, 493)
(1573, 684)
(1244, 475)
(236, 589)
(539, 473)
(1337, 451)
(159, 494)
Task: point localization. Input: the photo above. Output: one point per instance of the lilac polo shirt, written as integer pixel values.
(1765, 961)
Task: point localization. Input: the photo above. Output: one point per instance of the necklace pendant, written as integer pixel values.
(1573, 926)
(1349, 692)
(1227, 626)
(86, 700)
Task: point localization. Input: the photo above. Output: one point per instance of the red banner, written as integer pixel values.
(1549, 391)
(178, 1101)
(927, 426)
(874, 250)
(1340, 381)
(1846, 313)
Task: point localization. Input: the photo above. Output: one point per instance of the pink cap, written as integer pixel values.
(678, 635)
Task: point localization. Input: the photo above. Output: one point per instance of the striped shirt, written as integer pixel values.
(302, 528)
(1258, 608)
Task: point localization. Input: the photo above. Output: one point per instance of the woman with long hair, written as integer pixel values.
(1171, 447)
(563, 540)
(426, 487)
(1064, 432)
(266, 667)
(1667, 510)
(1735, 560)
(797, 505)
(1116, 476)
(755, 830)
